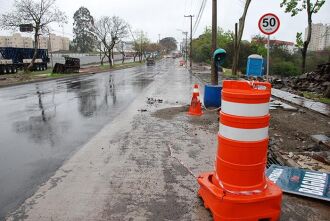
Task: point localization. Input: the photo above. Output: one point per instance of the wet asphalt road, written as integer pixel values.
(43, 124)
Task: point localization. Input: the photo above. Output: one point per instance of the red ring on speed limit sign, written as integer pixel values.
(273, 31)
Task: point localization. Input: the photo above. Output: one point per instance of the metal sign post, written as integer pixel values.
(268, 24)
(268, 49)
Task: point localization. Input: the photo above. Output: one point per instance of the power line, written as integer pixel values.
(199, 16)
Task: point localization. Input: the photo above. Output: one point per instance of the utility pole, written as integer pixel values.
(214, 72)
(190, 52)
(158, 38)
(141, 47)
(186, 47)
(50, 49)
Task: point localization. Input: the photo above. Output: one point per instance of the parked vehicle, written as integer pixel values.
(150, 61)
(12, 59)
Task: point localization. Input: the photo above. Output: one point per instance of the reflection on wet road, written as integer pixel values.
(42, 124)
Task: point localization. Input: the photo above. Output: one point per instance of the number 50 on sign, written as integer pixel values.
(269, 24)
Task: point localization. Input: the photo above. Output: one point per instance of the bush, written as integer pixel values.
(284, 68)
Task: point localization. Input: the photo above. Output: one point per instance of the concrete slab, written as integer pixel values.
(321, 139)
(307, 103)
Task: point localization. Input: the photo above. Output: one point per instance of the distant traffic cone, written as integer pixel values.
(196, 106)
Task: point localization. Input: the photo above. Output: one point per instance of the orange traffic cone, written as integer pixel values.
(196, 106)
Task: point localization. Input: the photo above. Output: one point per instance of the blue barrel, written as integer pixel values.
(212, 96)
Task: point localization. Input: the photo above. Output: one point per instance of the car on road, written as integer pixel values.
(150, 61)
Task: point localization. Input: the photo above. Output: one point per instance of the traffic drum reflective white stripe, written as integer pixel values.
(247, 110)
(243, 128)
(239, 134)
(196, 90)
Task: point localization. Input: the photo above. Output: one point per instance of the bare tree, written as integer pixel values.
(39, 13)
(109, 31)
(237, 45)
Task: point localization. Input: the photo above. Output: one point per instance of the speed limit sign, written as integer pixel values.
(269, 24)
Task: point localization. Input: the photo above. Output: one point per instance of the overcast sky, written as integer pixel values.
(166, 17)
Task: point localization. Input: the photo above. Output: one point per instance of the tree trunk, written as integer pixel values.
(123, 58)
(35, 53)
(303, 56)
(309, 35)
(240, 34)
(112, 59)
(102, 59)
(109, 59)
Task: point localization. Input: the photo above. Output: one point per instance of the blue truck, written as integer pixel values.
(13, 59)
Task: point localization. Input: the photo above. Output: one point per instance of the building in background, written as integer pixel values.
(16, 41)
(290, 46)
(128, 46)
(320, 39)
(57, 43)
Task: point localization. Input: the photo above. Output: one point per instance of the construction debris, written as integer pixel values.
(306, 162)
(154, 100)
(317, 81)
(274, 104)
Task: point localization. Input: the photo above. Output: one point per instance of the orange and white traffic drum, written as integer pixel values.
(243, 137)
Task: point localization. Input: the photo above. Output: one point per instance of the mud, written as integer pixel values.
(292, 131)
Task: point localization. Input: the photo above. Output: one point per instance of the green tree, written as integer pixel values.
(202, 45)
(140, 45)
(84, 38)
(168, 43)
(311, 7)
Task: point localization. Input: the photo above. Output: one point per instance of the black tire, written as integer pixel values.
(13, 69)
(9, 69)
